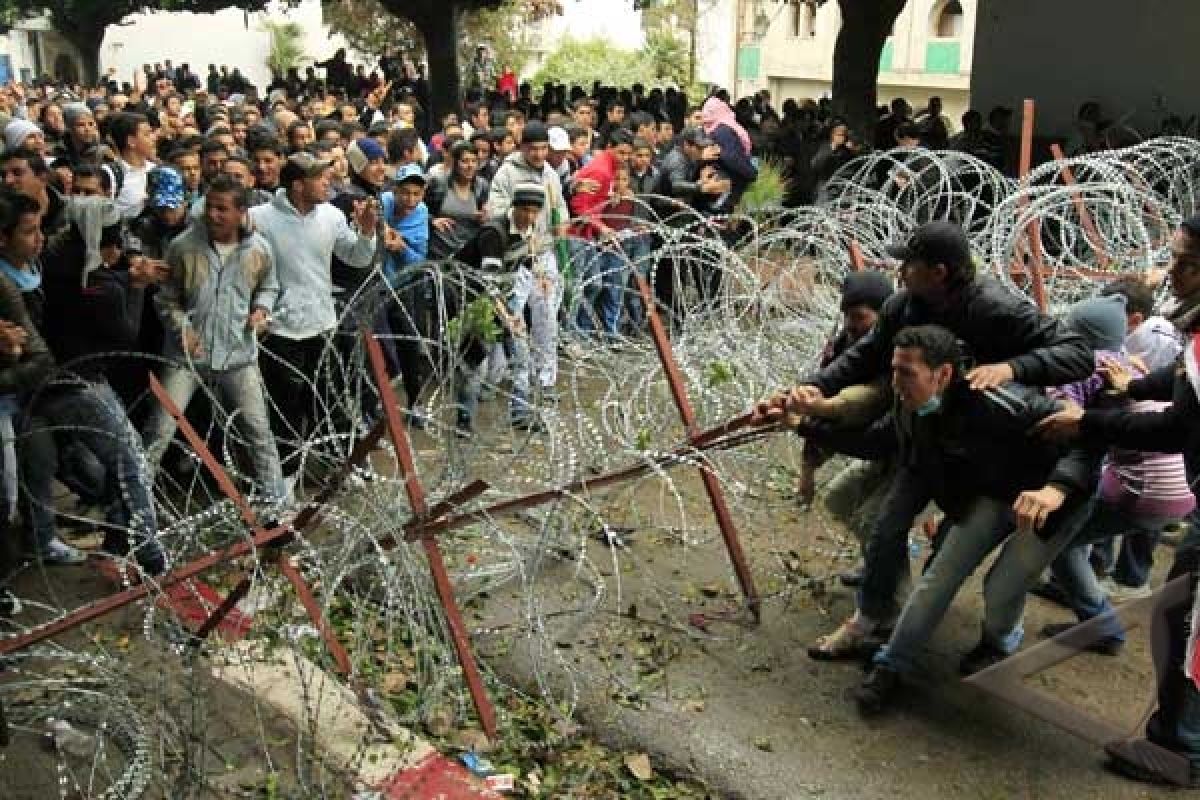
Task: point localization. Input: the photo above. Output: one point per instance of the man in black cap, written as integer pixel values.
(1002, 332)
(530, 166)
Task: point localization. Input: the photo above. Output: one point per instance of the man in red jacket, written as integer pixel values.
(604, 264)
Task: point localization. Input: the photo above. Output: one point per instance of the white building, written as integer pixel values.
(32, 48)
(232, 37)
(787, 46)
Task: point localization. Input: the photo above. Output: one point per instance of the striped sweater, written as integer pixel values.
(1138, 483)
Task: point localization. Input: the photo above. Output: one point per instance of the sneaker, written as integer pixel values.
(1143, 761)
(1119, 593)
(877, 691)
(1105, 645)
(1052, 591)
(853, 578)
(58, 553)
(10, 604)
(529, 423)
(983, 656)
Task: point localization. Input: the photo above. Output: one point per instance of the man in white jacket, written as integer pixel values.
(305, 231)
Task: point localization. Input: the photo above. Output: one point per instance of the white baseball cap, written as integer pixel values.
(559, 141)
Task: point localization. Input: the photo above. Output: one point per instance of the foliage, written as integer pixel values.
(478, 321)
(579, 62)
(368, 28)
(768, 190)
(371, 29)
(666, 55)
(287, 49)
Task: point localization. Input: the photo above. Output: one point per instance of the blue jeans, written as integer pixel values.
(603, 285)
(963, 548)
(1073, 571)
(95, 415)
(241, 392)
(885, 556)
(637, 250)
(986, 525)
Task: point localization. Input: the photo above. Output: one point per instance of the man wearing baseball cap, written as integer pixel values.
(305, 231)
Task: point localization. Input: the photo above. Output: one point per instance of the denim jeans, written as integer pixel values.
(886, 564)
(637, 250)
(1073, 570)
(963, 548)
(1176, 723)
(245, 405)
(603, 286)
(854, 497)
(95, 415)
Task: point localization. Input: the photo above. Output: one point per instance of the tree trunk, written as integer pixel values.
(440, 29)
(866, 25)
(87, 42)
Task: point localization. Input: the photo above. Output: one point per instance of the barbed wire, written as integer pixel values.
(148, 708)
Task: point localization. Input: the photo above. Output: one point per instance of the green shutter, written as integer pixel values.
(885, 58)
(942, 58)
(749, 62)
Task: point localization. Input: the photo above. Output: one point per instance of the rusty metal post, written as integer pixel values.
(1085, 216)
(712, 485)
(1037, 282)
(437, 567)
(303, 591)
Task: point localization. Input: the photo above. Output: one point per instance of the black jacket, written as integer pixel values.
(977, 444)
(995, 323)
(23, 374)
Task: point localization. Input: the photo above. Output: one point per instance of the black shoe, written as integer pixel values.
(983, 656)
(877, 691)
(10, 604)
(529, 423)
(1105, 646)
(852, 578)
(1143, 761)
(1049, 590)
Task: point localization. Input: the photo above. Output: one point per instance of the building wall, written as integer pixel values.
(1132, 58)
(796, 60)
(226, 37)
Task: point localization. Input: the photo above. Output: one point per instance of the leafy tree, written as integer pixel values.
(370, 30)
(580, 62)
(287, 49)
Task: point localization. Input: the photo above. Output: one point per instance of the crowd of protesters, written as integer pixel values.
(228, 232)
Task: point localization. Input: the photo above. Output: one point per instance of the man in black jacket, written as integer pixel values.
(1001, 330)
(967, 451)
(1175, 726)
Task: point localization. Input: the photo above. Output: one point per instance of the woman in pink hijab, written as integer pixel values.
(735, 162)
(715, 113)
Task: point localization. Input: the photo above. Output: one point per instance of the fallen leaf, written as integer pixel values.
(694, 706)
(763, 743)
(394, 682)
(638, 765)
